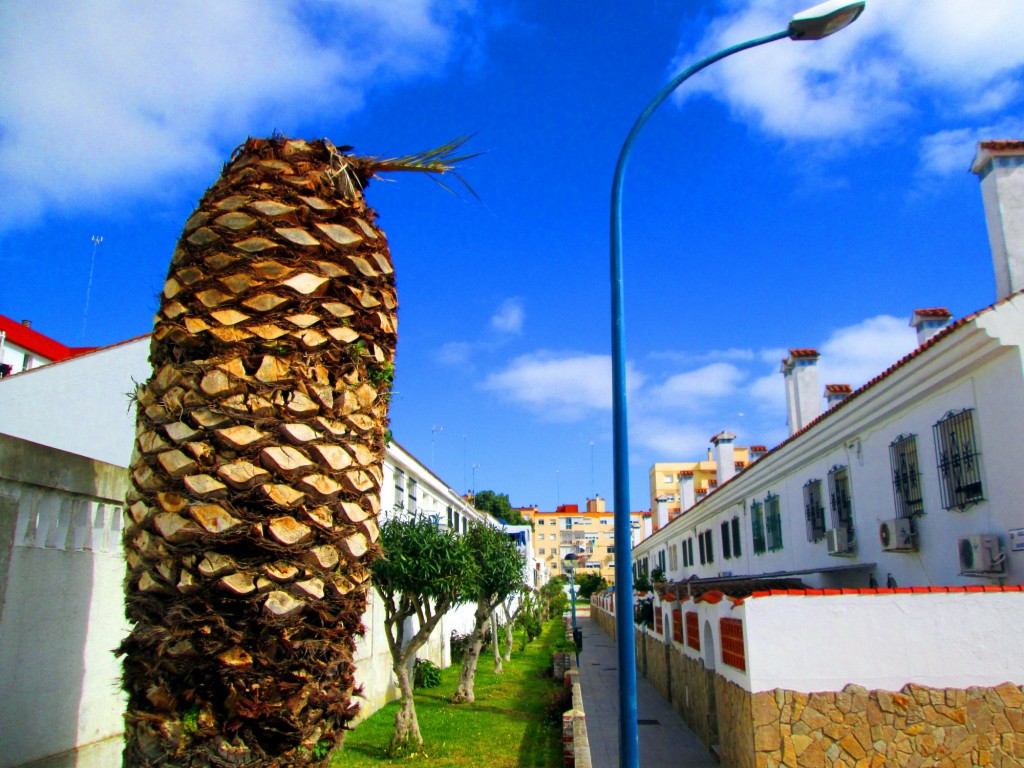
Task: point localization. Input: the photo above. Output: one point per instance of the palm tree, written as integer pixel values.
(258, 462)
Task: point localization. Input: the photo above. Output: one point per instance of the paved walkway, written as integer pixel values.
(665, 741)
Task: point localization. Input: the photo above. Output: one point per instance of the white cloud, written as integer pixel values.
(112, 98)
(951, 151)
(560, 387)
(857, 353)
(900, 56)
(692, 390)
(509, 317)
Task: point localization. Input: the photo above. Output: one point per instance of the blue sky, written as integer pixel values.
(797, 195)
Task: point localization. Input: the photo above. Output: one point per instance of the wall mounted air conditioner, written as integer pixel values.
(839, 541)
(981, 555)
(897, 535)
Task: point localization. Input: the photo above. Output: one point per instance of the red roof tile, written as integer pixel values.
(887, 591)
(838, 389)
(803, 353)
(939, 312)
(1001, 145)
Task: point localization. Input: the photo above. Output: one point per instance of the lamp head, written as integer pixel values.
(570, 562)
(824, 19)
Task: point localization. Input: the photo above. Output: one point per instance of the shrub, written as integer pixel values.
(459, 645)
(426, 674)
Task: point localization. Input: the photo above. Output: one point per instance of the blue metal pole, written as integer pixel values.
(572, 595)
(629, 743)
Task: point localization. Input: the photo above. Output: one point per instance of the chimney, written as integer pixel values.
(661, 513)
(756, 452)
(27, 323)
(595, 504)
(928, 322)
(724, 455)
(836, 393)
(1000, 166)
(687, 495)
(803, 404)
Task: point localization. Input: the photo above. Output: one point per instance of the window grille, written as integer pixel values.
(814, 512)
(726, 541)
(958, 459)
(757, 523)
(839, 498)
(772, 522)
(733, 650)
(736, 551)
(906, 478)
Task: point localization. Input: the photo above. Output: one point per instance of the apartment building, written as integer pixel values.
(590, 534)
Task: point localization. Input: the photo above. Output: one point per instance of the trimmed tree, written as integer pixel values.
(498, 573)
(258, 462)
(514, 605)
(423, 573)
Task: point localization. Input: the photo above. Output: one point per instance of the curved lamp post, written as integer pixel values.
(813, 24)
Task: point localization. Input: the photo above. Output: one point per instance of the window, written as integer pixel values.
(456, 517)
(611, 550)
(465, 525)
(673, 557)
(772, 522)
(450, 513)
(668, 478)
(726, 541)
(703, 554)
(906, 479)
(736, 551)
(604, 521)
(689, 545)
(413, 499)
(542, 551)
(814, 512)
(399, 489)
(757, 524)
(686, 554)
(839, 499)
(733, 650)
(957, 455)
(568, 523)
(709, 547)
(693, 630)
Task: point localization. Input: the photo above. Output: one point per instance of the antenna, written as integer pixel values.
(96, 240)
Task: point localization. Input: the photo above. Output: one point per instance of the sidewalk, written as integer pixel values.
(665, 741)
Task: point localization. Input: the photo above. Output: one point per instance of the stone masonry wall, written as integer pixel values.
(735, 725)
(690, 692)
(657, 666)
(919, 726)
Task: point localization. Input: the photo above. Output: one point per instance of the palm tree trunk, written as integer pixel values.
(258, 465)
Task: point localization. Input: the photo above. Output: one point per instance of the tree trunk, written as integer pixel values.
(464, 690)
(407, 727)
(257, 469)
(508, 639)
(496, 645)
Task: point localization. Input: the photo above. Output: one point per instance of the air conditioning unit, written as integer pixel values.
(981, 555)
(839, 541)
(897, 535)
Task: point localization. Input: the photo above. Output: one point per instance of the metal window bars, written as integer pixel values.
(906, 478)
(757, 526)
(773, 522)
(958, 460)
(839, 498)
(814, 512)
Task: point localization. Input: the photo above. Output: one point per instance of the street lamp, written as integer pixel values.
(570, 561)
(813, 24)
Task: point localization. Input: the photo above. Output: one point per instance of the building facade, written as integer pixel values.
(589, 534)
(22, 348)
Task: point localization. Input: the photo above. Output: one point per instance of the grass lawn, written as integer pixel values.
(509, 724)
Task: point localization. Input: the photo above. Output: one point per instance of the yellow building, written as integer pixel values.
(590, 534)
(665, 477)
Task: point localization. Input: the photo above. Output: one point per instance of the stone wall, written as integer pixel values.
(657, 666)
(918, 726)
(735, 725)
(690, 692)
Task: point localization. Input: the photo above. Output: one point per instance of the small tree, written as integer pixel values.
(554, 601)
(513, 606)
(588, 583)
(498, 573)
(424, 572)
(498, 506)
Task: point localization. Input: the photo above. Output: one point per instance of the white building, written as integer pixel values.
(911, 480)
